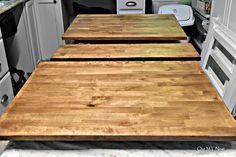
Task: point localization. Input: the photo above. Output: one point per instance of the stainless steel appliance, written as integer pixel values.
(202, 10)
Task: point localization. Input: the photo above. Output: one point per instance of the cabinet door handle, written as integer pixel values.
(0, 67)
(4, 99)
(54, 1)
(131, 4)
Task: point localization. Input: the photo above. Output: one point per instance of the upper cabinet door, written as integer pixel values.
(50, 26)
(224, 11)
(32, 32)
(232, 17)
(219, 9)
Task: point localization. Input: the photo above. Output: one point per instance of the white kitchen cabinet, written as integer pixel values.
(224, 12)
(6, 92)
(232, 17)
(219, 52)
(3, 60)
(33, 40)
(218, 9)
(17, 47)
(50, 26)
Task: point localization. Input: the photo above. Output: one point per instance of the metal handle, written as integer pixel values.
(48, 2)
(0, 67)
(131, 4)
(4, 99)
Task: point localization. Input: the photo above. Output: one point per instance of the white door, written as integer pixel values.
(50, 26)
(32, 32)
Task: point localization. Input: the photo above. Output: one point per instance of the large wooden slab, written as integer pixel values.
(120, 101)
(124, 27)
(126, 52)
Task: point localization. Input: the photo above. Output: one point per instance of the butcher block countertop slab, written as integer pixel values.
(118, 101)
(125, 52)
(124, 27)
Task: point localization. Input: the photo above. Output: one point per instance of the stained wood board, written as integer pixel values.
(124, 27)
(125, 52)
(118, 101)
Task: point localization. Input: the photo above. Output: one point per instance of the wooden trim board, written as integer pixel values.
(118, 101)
(126, 52)
(113, 27)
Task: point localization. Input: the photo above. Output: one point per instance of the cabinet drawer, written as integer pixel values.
(3, 60)
(131, 12)
(131, 5)
(6, 92)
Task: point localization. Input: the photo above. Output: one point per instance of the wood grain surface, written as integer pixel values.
(125, 27)
(127, 52)
(118, 101)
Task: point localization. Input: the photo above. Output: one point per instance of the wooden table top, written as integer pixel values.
(124, 27)
(125, 52)
(118, 101)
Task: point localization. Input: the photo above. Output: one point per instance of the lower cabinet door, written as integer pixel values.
(3, 60)
(50, 26)
(6, 92)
